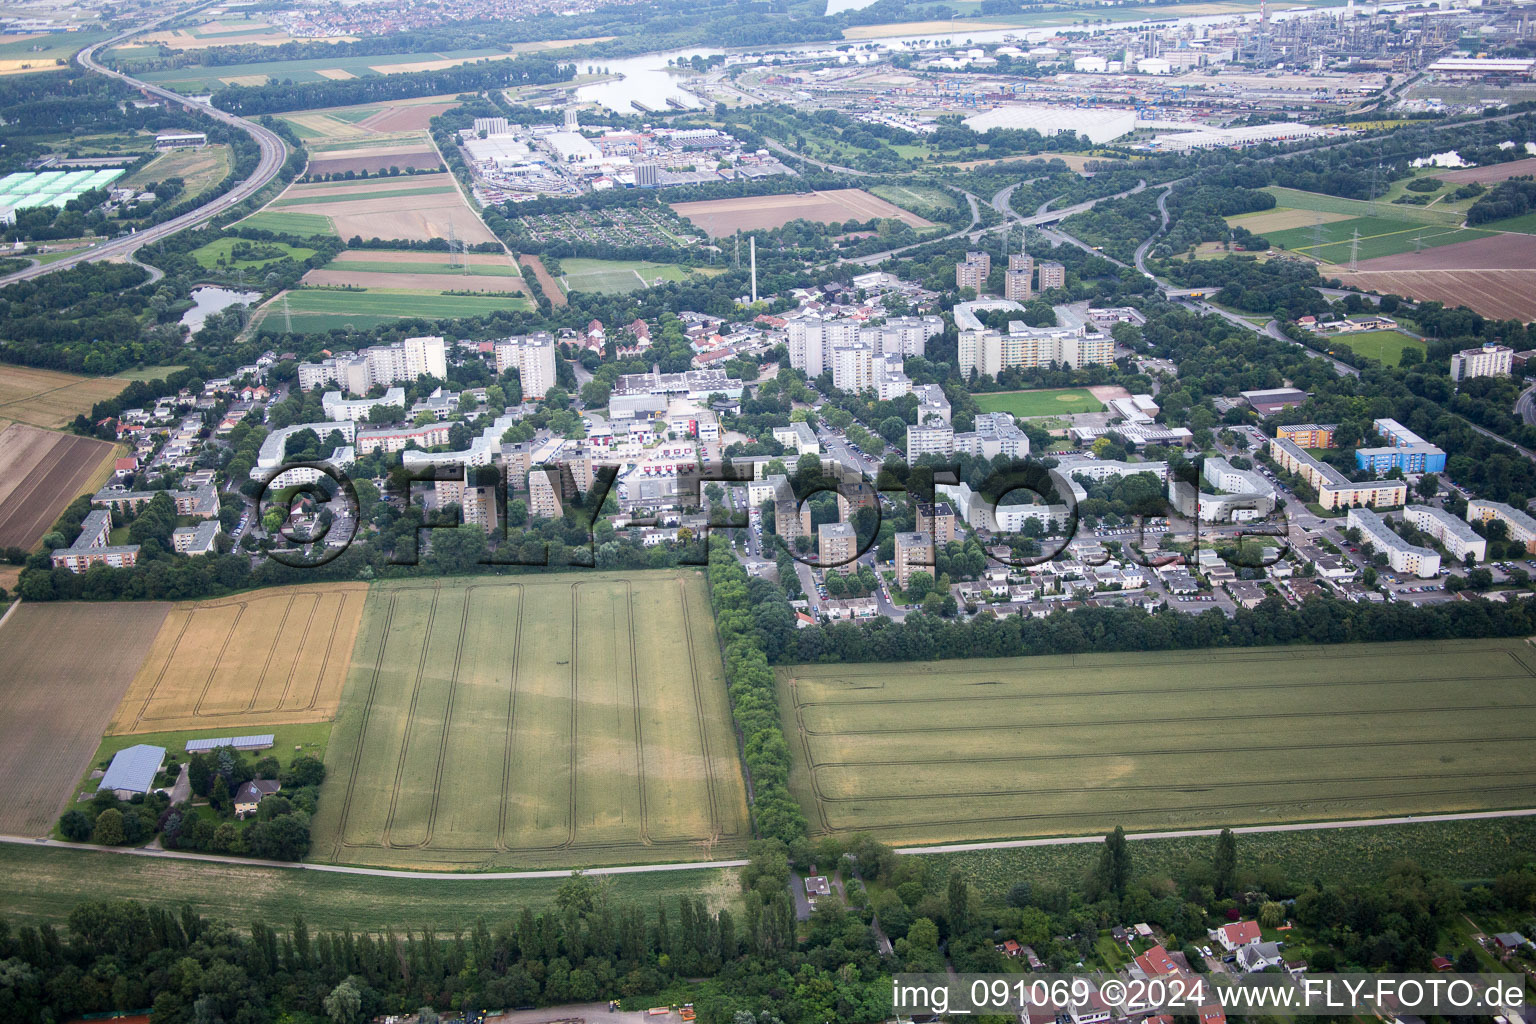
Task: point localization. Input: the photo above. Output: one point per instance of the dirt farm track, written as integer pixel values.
(65, 668)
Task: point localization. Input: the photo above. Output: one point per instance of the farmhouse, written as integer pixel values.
(251, 793)
(133, 770)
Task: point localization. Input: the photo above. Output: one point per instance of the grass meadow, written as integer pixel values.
(1385, 346)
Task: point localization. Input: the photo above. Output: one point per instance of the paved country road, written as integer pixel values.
(273, 153)
(637, 869)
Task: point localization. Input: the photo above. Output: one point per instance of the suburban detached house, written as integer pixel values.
(1236, 935)
(251, 793)
(1155, 963)
(1259, 956)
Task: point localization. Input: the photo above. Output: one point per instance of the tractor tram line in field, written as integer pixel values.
(1246, 729)
(546, 685)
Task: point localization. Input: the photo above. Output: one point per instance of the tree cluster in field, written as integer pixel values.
(279, 831)
(1512, 198)
(737, 602)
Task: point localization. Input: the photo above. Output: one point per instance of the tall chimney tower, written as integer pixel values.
(752, 256)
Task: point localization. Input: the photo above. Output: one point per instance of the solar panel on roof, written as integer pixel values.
(264, 740)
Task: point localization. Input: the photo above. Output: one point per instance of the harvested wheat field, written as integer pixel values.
(272, 657)
(47, 398)
(41, 471)
(1491, 172)
(409, 208)
(719, 217)
(401, 117)
(66, 667)
(375, 158)
(1494, 276)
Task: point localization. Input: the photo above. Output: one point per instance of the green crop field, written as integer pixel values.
(316, 309)
(553, 721)
(39, 885)
(346, 197)
(284, 223)
(956, 750)
(615, 276)
(1294, 199)
(221, 248)
(1524, 224)
(1056, 402)
(1379, 236)
(1384, 346)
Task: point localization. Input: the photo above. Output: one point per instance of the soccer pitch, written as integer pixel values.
(547, 721)
(1055, 402)
(1077, 744)
(617, 276)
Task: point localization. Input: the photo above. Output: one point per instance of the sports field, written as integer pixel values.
(553, 721)
(48, 398)
(65, 667)
(1053, 402)
(616, 276)
(311, 309)
(1077, 744)
(917, 198)
(41, 471)
(1385, 346)
(271, 657)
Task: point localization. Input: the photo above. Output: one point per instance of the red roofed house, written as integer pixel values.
(1009, 947)
(1155, 963)
(1236, 935)
(125, 467)
(1441, 963)
(1212, 1014)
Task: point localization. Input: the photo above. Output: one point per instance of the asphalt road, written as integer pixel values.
(1525, 406)
(273, 153)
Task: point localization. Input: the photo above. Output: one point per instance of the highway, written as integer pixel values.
(273, 153)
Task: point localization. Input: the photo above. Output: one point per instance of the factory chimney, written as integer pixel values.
(752, 256)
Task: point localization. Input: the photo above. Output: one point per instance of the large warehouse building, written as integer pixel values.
(1096, 124)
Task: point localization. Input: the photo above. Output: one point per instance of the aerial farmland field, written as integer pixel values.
(1077, 744)
(271, 657)
(41, 471)
(48, 398)
(719, 217)
(65, 667)
(548, 721)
